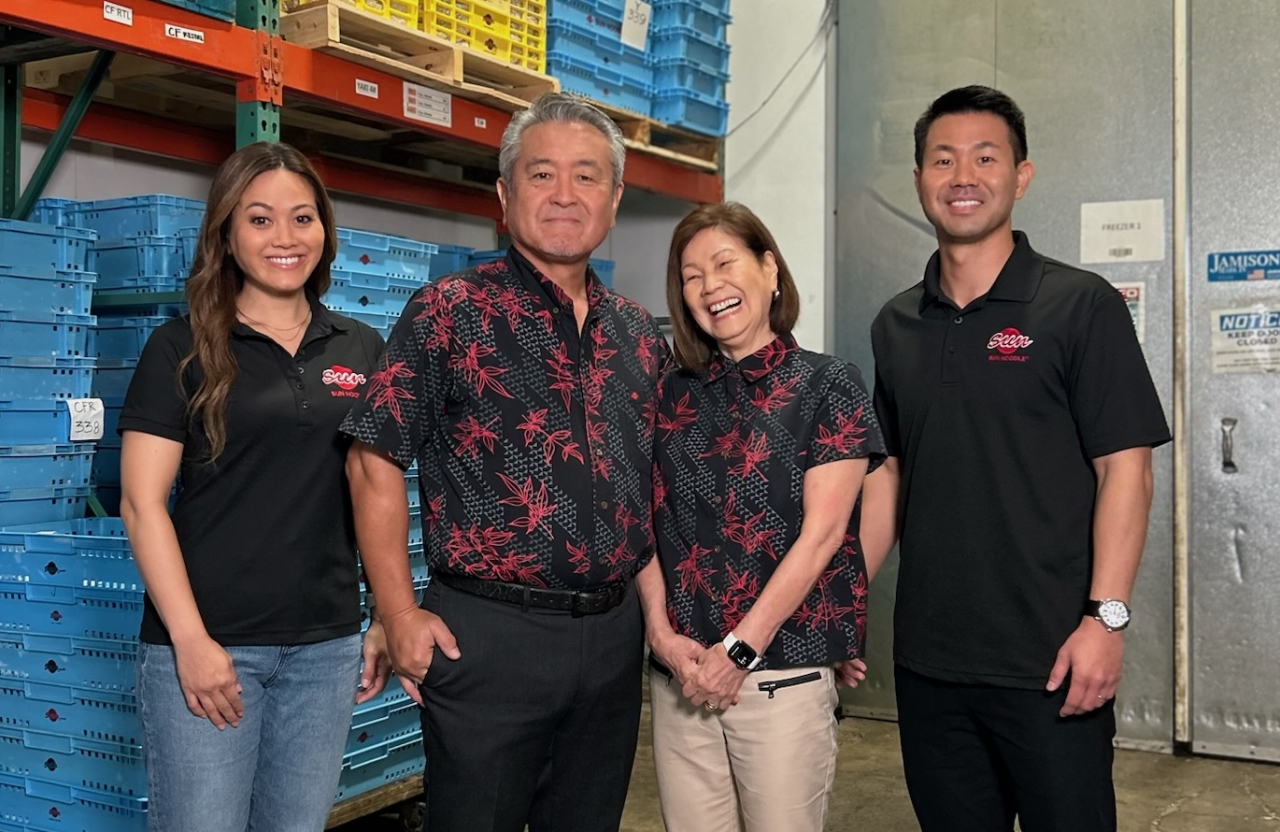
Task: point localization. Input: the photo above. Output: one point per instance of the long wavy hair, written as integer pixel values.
(216, 279)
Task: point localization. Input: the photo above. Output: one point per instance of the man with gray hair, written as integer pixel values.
(524, 389)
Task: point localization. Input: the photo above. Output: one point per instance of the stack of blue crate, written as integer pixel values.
(46, 280)
(585, 51)
(690, 58)
(70, 741)
(603, 268)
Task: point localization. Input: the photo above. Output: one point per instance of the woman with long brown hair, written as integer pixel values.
(250, 649)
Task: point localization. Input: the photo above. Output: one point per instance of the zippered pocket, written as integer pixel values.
(772, 687)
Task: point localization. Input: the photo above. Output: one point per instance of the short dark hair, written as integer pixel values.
(975, 99)
(693, 347)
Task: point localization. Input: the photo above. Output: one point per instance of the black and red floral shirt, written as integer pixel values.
(733, 446)
(534, 442)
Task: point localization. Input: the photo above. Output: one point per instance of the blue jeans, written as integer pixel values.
(278, 771)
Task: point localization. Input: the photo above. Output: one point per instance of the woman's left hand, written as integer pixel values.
(377, 663)
(716, 681)
(851, 672)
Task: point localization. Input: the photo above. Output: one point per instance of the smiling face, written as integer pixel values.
(276, 235)
(561, 201)
(968, 180)
(729, 291)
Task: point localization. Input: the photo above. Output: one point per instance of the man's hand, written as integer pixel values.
(413, 636)
(1095, 659)
(678, 653)
(377, 665)
(851, 672)
(716, 681)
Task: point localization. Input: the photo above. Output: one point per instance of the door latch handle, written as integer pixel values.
(1228, 464)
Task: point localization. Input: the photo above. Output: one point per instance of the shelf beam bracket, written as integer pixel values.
(10, 137)
(258, 99)
(61, 137)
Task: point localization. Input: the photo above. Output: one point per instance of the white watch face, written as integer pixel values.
(1114, 614)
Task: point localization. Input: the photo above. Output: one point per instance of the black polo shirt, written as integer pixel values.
(266, 531)
(996, 412)
(534, 440)
(734, 445)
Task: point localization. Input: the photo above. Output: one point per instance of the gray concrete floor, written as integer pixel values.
(1154, 792)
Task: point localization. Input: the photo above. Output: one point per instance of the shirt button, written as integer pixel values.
(604, 504)
(959, 319)
(716, 548)
(301, 369)
(305, 404)
(716, 499)
(300, 385)
(949, 349)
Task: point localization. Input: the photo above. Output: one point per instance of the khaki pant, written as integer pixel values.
(766, 764)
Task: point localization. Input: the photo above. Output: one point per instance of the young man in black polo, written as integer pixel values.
(1019, 418)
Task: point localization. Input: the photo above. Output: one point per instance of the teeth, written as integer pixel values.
(284, 261)
(966, 203)
(721, 306)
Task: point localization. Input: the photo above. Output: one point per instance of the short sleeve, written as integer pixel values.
(844, 423)
(405, 397)
(154, 402)
(1113, 399)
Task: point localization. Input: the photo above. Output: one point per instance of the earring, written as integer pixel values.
(777, 293)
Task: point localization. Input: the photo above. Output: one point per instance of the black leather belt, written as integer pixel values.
(578, 602)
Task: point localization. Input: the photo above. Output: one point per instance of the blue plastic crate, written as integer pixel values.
(685, 42)
(380, 321)
(130, 284)
(117, 768)
(357, 292)
(45, 378)
(121, 263)
(596, 48)
(603, 270)
(109, 715)
(34, 422)
(106, 465)
(52, 211)
(43, 805)
(389, 716)
(68, 660)
(599, 83)
(221, 9)
(109, 498)
(70, 610)
(368, 252)
(65, 293)
(692, 112)
(593, 14)
(372, 767)
(37, 250)
(449, 259)
(115, 219)
(123, 336)
(111, 378)
(92, 552)
(46, 466)
(704, 18)
(682, 74)
(188, 238)
(21, 506)
(111, 409)
(62, 336)
(486, 256)
(412, 492)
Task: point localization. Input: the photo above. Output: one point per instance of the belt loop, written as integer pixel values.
(524, 598)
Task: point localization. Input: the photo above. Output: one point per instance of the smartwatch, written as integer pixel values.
(740, 653)
(1113, 614)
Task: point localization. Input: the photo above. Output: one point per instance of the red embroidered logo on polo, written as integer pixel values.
(1006, 343)
(346, 380)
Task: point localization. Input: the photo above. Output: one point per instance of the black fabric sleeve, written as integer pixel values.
(1113, 399)
(886, 413)
(154, 403)
(844, 423)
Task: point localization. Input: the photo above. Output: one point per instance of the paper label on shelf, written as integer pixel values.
(120, 14)
(179, 33)
(1122, 232)
(1135, 297)
(86, 419)
(366, 88)
(635, 24)
(1246, 340)
(1244, 265)
(425, 104)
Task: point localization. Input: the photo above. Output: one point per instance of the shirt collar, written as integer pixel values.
(755, 366)
(542, 286)
(1018, 281)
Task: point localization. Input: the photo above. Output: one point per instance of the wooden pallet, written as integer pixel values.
(643, 134)
(366, 39)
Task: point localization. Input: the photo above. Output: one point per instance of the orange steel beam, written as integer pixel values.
(154, 30)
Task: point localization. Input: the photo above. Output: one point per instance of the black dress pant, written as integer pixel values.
(977, 755)
(536, 723)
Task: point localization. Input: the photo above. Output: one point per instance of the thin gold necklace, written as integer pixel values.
(290, 329)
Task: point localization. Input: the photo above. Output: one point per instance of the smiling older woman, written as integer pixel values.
(761, 451)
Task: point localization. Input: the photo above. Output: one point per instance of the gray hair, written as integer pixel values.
(561, 107)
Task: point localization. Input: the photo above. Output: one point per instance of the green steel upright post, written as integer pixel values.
(10, 137)
(257, 120)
